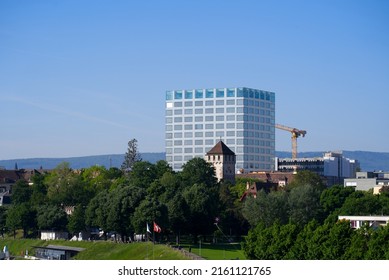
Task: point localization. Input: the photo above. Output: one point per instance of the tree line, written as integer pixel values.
(299, 221)
(117, 200)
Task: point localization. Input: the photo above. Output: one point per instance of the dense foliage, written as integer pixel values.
(296, 222)
(301, 222)
(118, 201)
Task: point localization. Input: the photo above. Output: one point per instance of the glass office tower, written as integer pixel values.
(242, 118)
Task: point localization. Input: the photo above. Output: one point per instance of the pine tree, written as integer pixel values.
(132, 155)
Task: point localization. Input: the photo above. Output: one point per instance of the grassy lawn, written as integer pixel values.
(107, 250)
(100, 250)
(220, 251)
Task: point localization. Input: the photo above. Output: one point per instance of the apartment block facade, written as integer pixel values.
(243, 118)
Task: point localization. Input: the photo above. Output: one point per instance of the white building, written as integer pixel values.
(54, 235)
(372, 221)
(243, 118)
(365, 181)
(332, 166)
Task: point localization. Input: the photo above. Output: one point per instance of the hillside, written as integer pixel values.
(369, 161)
(100, 250)
(76, 162)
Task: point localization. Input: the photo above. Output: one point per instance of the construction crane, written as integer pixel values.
(295, 134)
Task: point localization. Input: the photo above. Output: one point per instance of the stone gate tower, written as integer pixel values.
(223, 160)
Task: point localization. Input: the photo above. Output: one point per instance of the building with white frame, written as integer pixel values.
(357, 222)
(243, 118)
(365, 181)
(332, 165)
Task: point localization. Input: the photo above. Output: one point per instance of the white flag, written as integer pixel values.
(148, 229)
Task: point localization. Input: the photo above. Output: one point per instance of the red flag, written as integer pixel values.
(156, 228)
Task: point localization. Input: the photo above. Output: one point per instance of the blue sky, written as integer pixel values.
(84, 77)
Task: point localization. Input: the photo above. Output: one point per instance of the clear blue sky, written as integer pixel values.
(84, 77)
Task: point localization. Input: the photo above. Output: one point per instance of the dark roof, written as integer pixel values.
(60, 248)
(12, 176)
(273, 176)
(220, 149)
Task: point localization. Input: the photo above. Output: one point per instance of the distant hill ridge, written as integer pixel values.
(114, 160)
(370, 161)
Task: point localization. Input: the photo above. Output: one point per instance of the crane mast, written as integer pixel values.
(295, 134)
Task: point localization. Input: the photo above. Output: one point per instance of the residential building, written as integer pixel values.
(332, 166)
(243, 118)
(5, 198)
(8, 179)
(274, 179)
(267, 181)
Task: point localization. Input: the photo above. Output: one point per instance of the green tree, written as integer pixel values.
(338, 242)
(257, 241)
(198, 171)
(283, 239)
(51, 217)
(270, 243)
(383, 199)
(162, 167)
(304, 204)
(231, 218)
(3, 218)
(334, 197)
(132, 155)
(307, 178)
(378, 245)
(20, 216)
(266, 208)
(66, 187)
(167, 186)
(76, 221)
(203, 203)
(299, 249)
(114, 173)
(178, 213)
(149, 210)
(21, 192)
(142, 174)
(96, 179)
(251, 210)
(38, 190)
(361, 203)
(121, 207)
(315, 242)
(13, 221)
(97, 210)
(359, 244)
(168, 190)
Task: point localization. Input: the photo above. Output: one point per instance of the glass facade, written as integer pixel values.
(243, 118)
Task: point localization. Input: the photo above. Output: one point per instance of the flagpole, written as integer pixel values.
(147, 239)
(153, 242)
